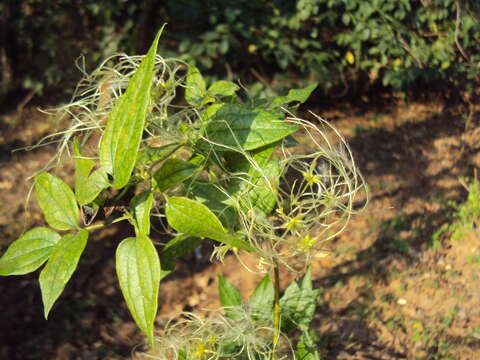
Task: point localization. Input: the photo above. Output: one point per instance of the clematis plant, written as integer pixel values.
(183, 161)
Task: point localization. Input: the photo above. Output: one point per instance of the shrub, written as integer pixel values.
(348, 44)
(244, 172)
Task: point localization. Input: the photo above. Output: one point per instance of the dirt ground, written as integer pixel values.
(388, 291)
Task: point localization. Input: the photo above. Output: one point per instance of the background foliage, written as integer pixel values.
(346, 45)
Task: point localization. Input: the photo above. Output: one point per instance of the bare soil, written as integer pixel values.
(386, 291)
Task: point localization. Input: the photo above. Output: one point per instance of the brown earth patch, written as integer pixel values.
(386, 292)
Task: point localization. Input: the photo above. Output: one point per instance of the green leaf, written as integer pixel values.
(28, 252)
(182, 355)
(60, 267)
(178, 247)
(99, 181)
(82, 170)
(57, 202)
(138, 271)
(223, 88)
(151, 154)
(234, 126)
(306, 348)
(260, 304)
(173, 172)
(87, 187)
(238, 162)
(298, 304)
(195, 86)
(141, 205)
(123, 133)
(256, 185)
(216, 199)
(230, 297)
(192, 218)
(299, 95)
(263, 188)
(236, 241)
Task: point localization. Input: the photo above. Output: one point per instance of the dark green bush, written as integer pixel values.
(44, 38)
(399, 44)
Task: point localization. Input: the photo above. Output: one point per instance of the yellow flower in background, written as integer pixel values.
(293, 223)
(252, 48)
(350, 57)
(397, 62)
(306, 243)
(200, 350)
(311, 179)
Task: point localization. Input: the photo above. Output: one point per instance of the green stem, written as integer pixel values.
(106, 223)
(276, 309)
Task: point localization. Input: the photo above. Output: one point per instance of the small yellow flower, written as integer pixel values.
(311, 179)
(200, 350)
(417, 327)
(306, 243)
(350, 57)
(293, 223)
(252, 48)
(397, 62)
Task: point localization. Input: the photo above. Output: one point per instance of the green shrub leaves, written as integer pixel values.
(126, 121)
(192, 218)
(138, 270)
(196, 88)
(60, 267)
(260, 304)
(230, 297)
(235, 126)
(173, 172)
(57, 202)
(141, 205)
(29, 252)
(298, 303)
(210, 167)
(87, 187)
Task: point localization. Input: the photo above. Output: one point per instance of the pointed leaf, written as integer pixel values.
(195, 86)
(141, 205)
(82, 171)
(299, 95)
(223, 88)
(28, 252)
(57, 202)
(306, 348)
(235, 126)
(138, 271)
(99, 181)
(216, 199)
(229, 297)
(298, 303)
(260, 304)
(256, 189)
(173, 172)
(60, 267)
(87, 187)
(151, 154)
(123, 133)
(192, 218)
